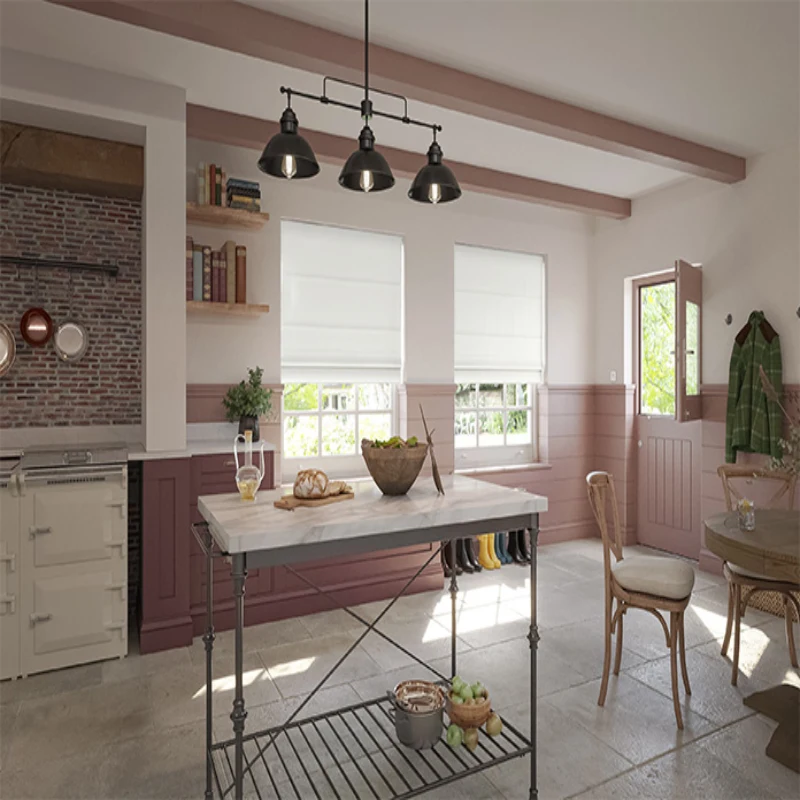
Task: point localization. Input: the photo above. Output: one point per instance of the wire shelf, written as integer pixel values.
(352, 752)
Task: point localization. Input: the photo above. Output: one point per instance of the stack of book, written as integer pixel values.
(216, 276)
(211, 180)
(243, 194)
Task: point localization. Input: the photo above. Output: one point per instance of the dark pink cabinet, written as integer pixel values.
(174, 568)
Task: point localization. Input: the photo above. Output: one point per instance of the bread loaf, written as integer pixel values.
(310, 483)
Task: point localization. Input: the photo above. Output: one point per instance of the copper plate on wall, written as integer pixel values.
(8, 349)
(70, 340)
(36, 327)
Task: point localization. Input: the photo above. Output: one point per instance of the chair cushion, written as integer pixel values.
(663, 577)
(746, 573)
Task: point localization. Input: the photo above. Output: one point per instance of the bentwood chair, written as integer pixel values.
(743, 584)
(651, 583)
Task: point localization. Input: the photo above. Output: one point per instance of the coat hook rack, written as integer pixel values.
(51, 263)
(729, 318)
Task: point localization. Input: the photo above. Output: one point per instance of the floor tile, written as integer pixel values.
(485, 625)
(581, 646)
(297, 668)
(79, 722)
(571, 604)
(712, 694)
(570, 759)
(742, 746)
(50, 684)
(636, 721)
(691, 772)
(8, 719)
(135, 665)
(763, 656)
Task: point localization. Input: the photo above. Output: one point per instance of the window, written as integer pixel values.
(341, 343)
(657, 349)
(668, 313)
(322, 420)
(499, 354)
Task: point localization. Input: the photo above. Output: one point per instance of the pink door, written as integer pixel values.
(668, 309)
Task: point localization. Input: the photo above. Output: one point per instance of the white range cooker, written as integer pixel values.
(63, 558)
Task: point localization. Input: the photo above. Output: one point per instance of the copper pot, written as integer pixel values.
(36, 327)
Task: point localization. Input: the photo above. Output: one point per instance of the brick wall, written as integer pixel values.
(105, 386)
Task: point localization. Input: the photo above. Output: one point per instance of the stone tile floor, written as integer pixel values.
(134, 728)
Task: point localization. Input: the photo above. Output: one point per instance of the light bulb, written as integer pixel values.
(434, 193)
(366, 180)
(289, 166)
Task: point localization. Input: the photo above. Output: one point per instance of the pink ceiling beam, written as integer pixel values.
(251, 31)
(239, 130)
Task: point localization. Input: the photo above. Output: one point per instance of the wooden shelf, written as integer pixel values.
(226, 309)
(221, 217)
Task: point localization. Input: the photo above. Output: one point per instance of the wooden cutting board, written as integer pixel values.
(289, 502)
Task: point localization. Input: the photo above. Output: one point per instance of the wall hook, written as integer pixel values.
(729, 318)
(798, 311)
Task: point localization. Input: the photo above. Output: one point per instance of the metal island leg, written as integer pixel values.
(238, 715)
(208, 640)
(453, 609)
(533, 639)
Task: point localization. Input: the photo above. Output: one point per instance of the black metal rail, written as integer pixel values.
(54, 263)
(353, 752)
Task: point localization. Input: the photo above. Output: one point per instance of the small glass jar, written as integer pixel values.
(746, 512)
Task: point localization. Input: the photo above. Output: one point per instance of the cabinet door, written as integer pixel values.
(9, 582)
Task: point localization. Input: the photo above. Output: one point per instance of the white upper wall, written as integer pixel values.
(219, 352)
(745, 236)
(156, 114)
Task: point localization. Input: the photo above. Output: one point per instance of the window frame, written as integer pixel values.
(506, 455)
(351, 465)
(655, 279)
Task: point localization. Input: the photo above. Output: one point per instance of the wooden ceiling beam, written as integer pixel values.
(225, 127)
(262, 34)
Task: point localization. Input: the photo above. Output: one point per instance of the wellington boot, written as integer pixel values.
(503, 555)
(471, 555)
(492, 553)
(461, 556)
(484, 559)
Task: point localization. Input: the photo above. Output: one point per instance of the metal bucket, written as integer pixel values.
(418, 725)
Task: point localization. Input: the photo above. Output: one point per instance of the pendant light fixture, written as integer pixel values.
(288, 155)
(435, 182)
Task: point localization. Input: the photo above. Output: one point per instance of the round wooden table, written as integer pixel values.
(772, 549)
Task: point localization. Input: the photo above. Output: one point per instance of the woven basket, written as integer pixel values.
(471, 716)
(772, 603)
(394, 469)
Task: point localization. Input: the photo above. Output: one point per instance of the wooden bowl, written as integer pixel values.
(472, 716)
(394, 469)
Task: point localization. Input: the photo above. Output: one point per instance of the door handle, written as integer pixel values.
(37, 530)
(39, 617)
(11, 558)
(9, 600)
(640, 443)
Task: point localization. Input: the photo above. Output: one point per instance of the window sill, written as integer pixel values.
(534, 467)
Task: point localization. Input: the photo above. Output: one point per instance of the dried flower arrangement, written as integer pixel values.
(790, 460)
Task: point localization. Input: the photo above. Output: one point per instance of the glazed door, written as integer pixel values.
(667, 314)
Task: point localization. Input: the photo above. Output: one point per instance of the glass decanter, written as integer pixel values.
(248, 475)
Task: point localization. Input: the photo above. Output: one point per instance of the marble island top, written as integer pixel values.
(371, 521)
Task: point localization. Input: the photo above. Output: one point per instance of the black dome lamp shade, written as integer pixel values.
(287, 154)
(435, 182)
(366, 170)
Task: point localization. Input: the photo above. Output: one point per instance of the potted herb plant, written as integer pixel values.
(247, 401)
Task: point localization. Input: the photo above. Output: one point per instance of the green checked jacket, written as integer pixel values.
(753, 423)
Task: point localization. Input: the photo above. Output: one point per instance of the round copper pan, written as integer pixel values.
(36, 327)
(8, 349)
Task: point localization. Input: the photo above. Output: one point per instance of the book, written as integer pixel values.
(224, 194)
(245, 206)
(229, 249)
(218, 188)
(212, 189)
(207, 185)
(241, 273)
(189, 268)
(223, 276)
(197, 259)
(206, 272)
(201, 184)
(243, 191)
(215, 276)
(234, 182)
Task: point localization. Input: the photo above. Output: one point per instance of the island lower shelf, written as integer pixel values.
(353, 751)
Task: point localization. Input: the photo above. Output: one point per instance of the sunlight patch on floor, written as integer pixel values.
(228, 683)
(291, 667)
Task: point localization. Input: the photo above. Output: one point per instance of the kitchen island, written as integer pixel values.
(357, 743)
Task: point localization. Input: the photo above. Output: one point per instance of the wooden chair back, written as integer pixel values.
(603, 495)
(786, 484)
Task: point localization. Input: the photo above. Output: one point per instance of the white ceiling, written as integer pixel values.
(720, 72)
(494, 33)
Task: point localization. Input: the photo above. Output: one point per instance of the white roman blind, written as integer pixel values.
(341, 305)
(499, 316)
